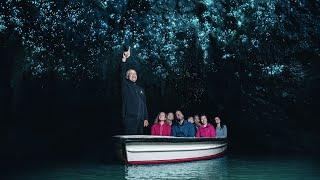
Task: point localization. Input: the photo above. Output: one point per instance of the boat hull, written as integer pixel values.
(159, 149)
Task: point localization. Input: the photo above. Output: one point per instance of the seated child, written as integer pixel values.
(206, 129)
(161, 128)
(170, 118)
(221, 129)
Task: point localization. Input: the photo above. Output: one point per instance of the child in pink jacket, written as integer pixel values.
(206, 129)
(161, 128)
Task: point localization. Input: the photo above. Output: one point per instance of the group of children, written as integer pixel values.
(170, 125)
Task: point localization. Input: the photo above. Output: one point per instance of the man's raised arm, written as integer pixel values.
(125, 56)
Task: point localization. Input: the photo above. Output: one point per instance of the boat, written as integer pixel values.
(148, 149)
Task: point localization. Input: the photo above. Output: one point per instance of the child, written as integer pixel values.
(206, 130)
(161, 128)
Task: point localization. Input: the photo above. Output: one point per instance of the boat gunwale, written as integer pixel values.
(170, 139)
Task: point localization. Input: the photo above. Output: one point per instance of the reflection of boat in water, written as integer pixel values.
(146, 149)
(210, 169)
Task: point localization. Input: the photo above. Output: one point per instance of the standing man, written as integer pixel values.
(134, 108)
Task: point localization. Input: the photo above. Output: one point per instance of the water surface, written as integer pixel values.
(228, 167)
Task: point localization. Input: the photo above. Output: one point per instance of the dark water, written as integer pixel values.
(228, 167)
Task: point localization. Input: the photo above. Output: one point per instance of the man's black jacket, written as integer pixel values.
(133, 98)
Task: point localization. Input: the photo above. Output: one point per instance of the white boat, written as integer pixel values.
(147, 149)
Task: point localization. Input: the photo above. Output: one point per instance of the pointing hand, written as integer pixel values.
(125, 55)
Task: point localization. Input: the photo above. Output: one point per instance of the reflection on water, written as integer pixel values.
(211, 169)
(228, 167)
(73, 172)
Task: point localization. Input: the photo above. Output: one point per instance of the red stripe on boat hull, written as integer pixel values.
(176, 160)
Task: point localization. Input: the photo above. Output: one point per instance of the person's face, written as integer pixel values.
(217, 120)
(132, 75)
(162, 116)
(190, 119)
(179, 115)
(170, 116)
(204, 120)
(196, 119)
